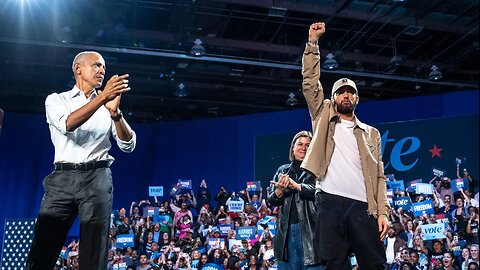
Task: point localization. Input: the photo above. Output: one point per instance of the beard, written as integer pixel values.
(346, 109)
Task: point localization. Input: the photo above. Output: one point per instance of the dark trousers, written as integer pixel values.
(68, 194)
(344, 226)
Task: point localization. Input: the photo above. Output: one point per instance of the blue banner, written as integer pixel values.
(403, 203)
(215, 242)
(150, 211)
(246, 232)
(390, 177)
(125, 240)
(272, 227)
(433, 231)
(253, 186)
(396, 185)
(459, 183)
(225, 229)
(155, 191)
(160, 219)
(185, 184)
(422, 207)
(411, 186)
(212, 266)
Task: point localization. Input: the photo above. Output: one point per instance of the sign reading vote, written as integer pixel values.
(422, 207)
(124, 240)
(253, 186)
(433, 231)
(235, 206)
(246, 232)
(396, 185)
(403, 203)
(155, 191)
(185, 184)
(423, 188)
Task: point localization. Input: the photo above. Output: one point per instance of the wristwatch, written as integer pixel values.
(117, 117)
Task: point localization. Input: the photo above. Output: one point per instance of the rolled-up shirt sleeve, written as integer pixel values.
(57, 112)
(125, 146)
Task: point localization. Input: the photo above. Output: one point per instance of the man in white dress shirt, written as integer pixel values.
(81, 122)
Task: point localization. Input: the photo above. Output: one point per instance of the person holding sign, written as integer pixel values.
(81, 122)
(345, 156)
(293, 242)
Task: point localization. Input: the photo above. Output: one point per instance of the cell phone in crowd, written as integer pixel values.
(455, 238)
(176, 249)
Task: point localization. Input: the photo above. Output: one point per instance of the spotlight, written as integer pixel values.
(330, 63)
(291, 101)
(197, 48)
(435, 74)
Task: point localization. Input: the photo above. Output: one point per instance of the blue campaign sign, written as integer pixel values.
(396, 185)
(390, 177)
(390, 196)
(185, 184)
(423, 188)
(215, 242)
(422, 207)
(412, 184)
(433, 231)
(272, 227)
(459, 183)
(160, 219)
(155, 191)
(124, 240)
(212, 266)
(150, 211)
(402, 202)
(225, 229)
(253, 186)
(438, 172)
(246, 232)
(235, 206)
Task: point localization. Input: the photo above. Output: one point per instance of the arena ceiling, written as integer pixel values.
(253, 51)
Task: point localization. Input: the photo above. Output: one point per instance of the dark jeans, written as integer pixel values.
(295, 251)
(344, 226)
(68, 194)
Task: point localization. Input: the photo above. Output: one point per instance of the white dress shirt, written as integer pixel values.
(90, 141)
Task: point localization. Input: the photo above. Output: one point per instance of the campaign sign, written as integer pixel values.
(155, 191)
(390, 196)
(458, 183)
(456, 250)
(390, 177)
(396, 185)
(438, 172)
(412, 185)
(403, 203)
(185, 184)
(234, 243)
(235, 206)
(272, 227)
(64, 253)
(246, 232)
(125, 240)
(150, 211)
(120, 266)
(433, 231)
(423, 188)
(160, 219)
(225, 229)
(422, 207)
(215, 242)
(212, 266)
(253, 186)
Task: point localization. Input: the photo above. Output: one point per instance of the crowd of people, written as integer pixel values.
(180, 241)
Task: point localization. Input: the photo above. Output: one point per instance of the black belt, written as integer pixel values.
(91, 165)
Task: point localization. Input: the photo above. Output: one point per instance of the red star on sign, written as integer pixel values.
(435, 151)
